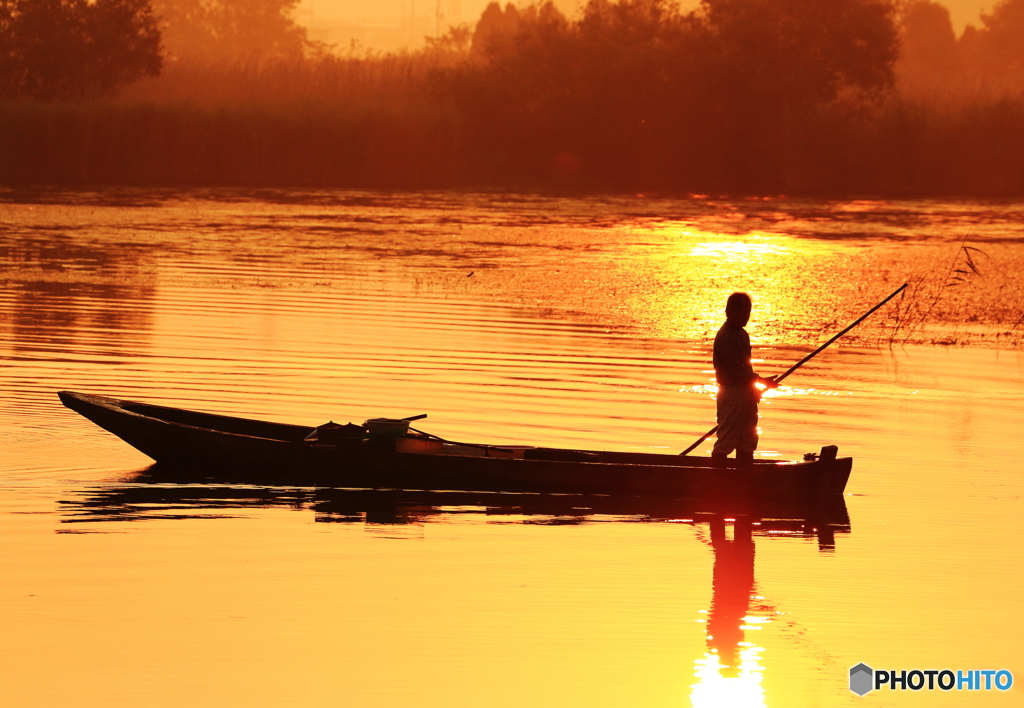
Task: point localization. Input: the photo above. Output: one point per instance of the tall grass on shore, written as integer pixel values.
(368, 121)
(396, 121)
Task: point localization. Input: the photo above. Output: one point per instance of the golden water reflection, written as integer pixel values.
(729, 673)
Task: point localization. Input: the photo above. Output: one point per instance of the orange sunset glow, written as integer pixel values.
(607, 353)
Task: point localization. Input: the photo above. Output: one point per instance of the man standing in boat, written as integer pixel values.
(737, 395)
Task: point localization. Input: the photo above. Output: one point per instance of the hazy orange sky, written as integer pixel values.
(385, 24)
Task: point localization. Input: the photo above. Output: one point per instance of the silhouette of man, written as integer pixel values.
(737, 395)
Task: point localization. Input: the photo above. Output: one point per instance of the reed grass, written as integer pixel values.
(361, 121)
(962, 269)
(395, 121)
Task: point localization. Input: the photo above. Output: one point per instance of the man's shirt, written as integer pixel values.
(732, 357)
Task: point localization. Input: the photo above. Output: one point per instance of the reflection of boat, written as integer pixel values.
(176, 492)
(417, 461)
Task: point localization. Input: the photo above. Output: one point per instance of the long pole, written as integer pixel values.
(816, 352)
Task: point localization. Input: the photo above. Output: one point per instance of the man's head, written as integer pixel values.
(737, 309)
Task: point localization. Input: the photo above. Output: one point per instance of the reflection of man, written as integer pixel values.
(732, 585)
(737, 396)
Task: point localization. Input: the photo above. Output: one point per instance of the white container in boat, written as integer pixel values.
(386, 427)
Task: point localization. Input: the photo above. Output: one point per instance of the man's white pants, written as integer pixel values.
(737, 419)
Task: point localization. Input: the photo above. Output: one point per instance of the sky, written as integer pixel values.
(390, 24)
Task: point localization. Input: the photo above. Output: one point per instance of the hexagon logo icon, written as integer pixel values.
(861, 679)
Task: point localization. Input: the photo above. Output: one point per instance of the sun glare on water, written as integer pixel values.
(721, 685)
(737, 250)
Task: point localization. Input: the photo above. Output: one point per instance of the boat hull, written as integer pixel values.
(269, 452)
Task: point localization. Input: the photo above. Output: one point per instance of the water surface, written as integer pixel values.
(508, 319)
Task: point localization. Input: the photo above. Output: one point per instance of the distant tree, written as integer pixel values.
(496, 29)
(634, 64)
(804, 51)
(995, 51)
(510, 91)
(1005, 28)
(769, 63)
(216, 29)
(929, 54)
(74, 49)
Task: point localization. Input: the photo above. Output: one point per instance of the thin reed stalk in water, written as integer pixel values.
(954, 276)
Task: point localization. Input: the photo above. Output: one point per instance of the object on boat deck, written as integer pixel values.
(386, 427)
(330, 433)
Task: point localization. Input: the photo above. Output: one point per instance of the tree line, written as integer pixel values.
(638, 88)
(737, 95)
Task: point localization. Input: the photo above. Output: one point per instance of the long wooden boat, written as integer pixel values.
(353, 458)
